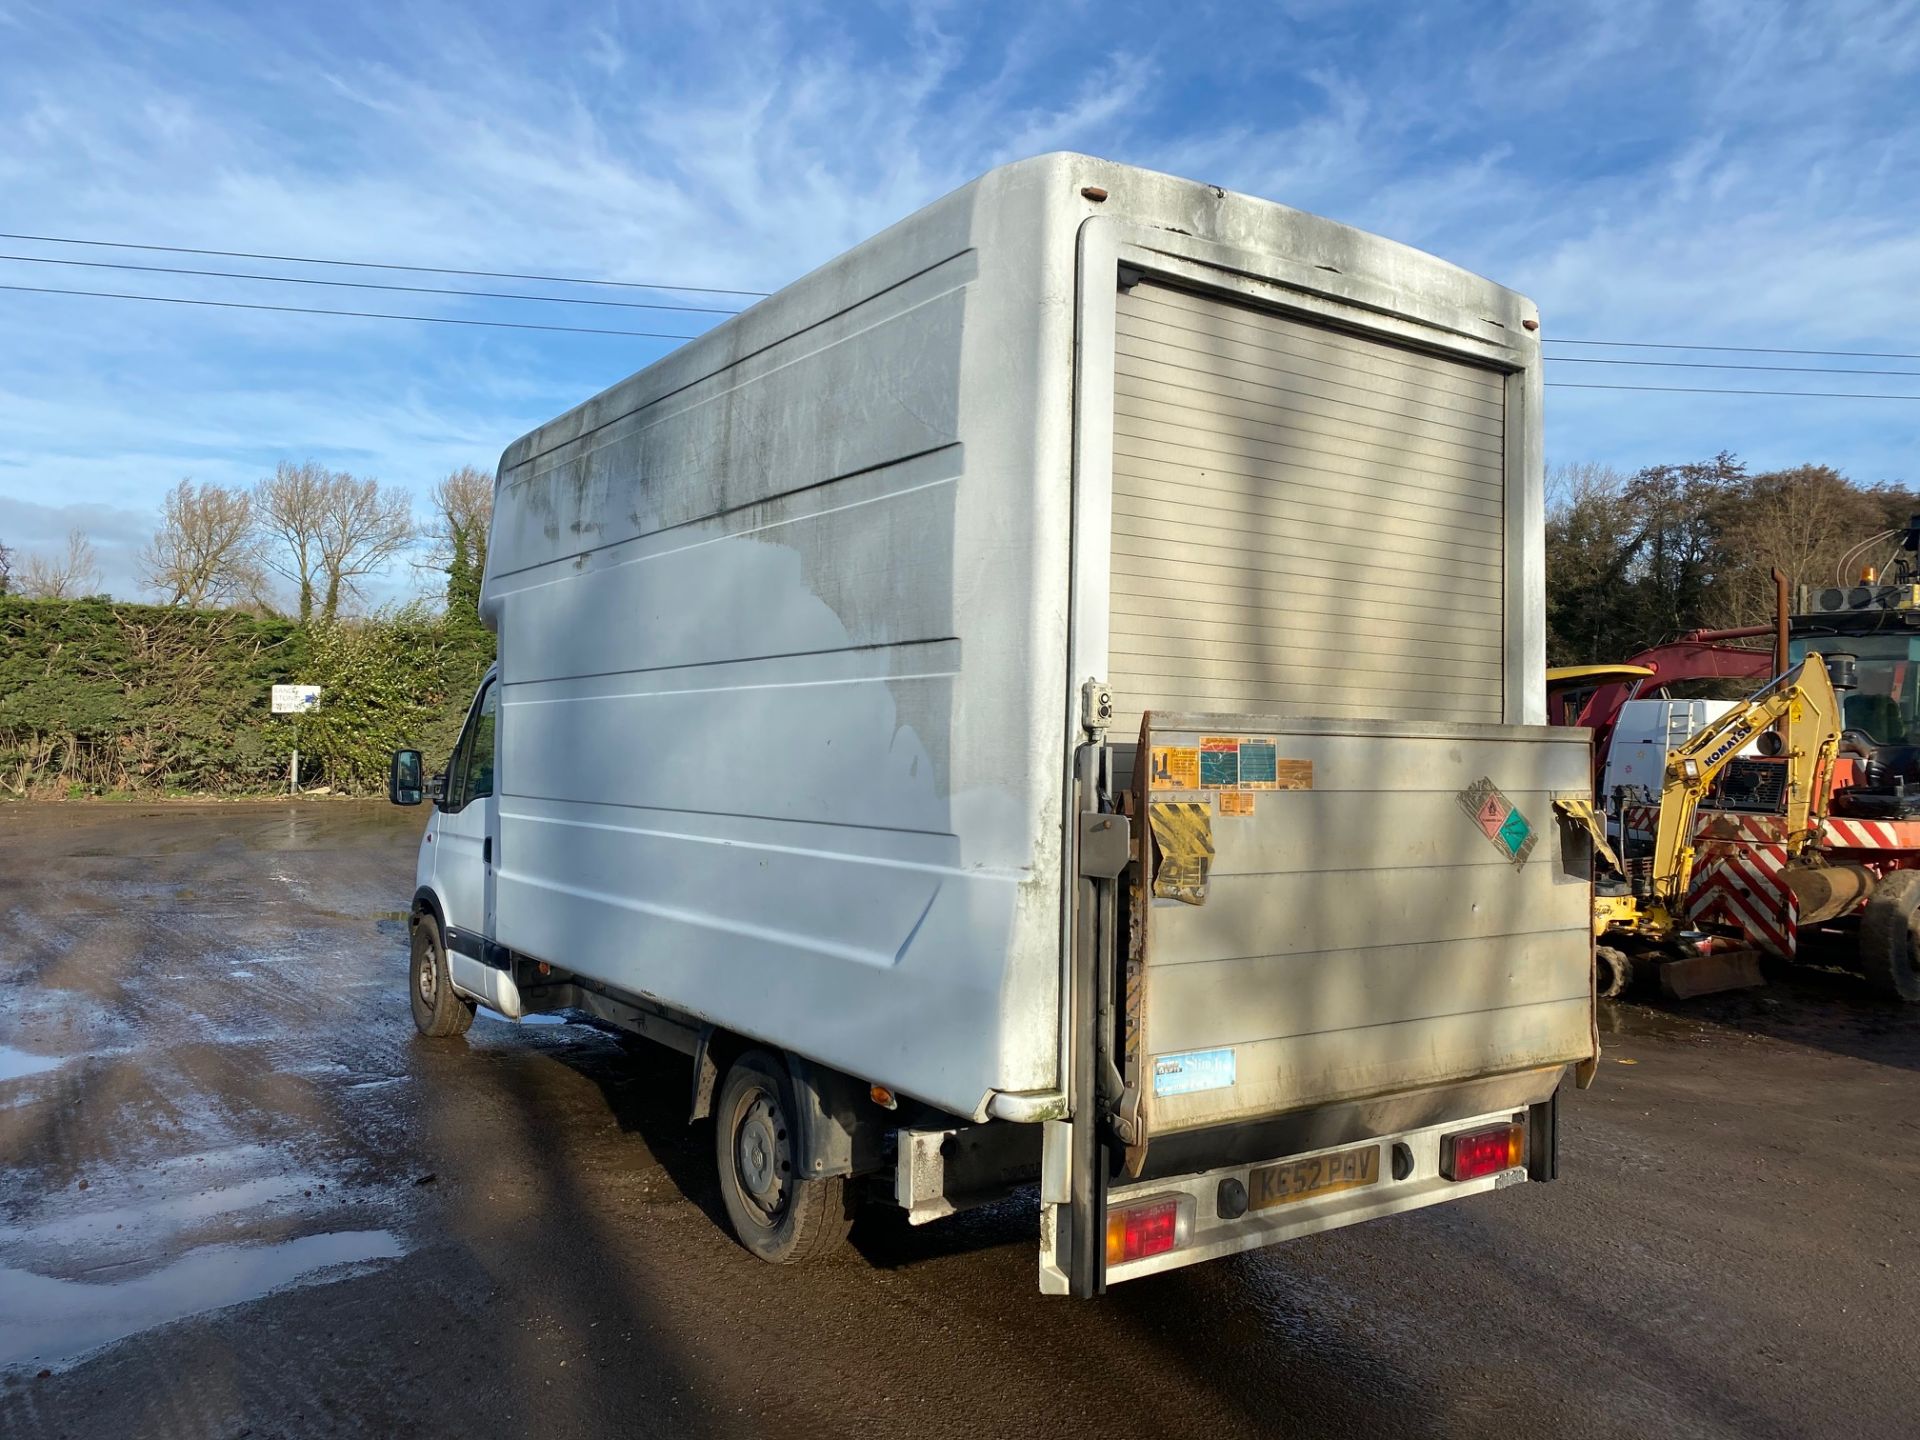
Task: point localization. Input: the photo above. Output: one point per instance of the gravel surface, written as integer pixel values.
(240, 1197)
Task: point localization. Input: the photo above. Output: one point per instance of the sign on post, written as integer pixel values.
(295, 699)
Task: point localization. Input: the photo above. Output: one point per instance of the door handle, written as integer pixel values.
(486, 850)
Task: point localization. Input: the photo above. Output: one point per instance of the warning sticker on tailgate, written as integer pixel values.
(1220, 762)
(1182, 848)
(1176, 767)
(1233, 762)
(1499, 819)
(1259, 765)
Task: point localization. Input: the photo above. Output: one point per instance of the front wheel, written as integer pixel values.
(776, 1213)
(1890, 936)
(437, 1011)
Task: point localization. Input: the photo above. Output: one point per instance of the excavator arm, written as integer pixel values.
(1801, 708)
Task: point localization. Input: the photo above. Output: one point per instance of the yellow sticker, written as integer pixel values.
(1236, 802)
(1293, 775)
(1176, 767)
(1183, 849)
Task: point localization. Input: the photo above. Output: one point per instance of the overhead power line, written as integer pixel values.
(720, 290)
(370, 285)
(354, 314)
(1710, 365)
(380, 265)
(1742, 349)
(1713, 390)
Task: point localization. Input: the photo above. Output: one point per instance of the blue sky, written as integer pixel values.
(1737, 173)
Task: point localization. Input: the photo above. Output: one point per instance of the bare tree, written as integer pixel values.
(1806, 521)
(367, 524)
(62, 577)
(288, 508)
(204, 551)
(6, 569)
(1579, 482)
(462, 513)
(327, 530)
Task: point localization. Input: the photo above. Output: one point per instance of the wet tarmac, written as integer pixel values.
(239, 1197)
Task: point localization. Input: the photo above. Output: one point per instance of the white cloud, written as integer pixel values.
(1719, 171)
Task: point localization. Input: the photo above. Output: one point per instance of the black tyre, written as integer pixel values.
(437, 1010)
(776, 1214)
(1890, 936)
(1612, 972)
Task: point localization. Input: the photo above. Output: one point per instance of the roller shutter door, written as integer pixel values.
(1305, 521)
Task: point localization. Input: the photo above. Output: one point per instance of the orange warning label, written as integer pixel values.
(1175, 767)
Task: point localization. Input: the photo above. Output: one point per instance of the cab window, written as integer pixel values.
(471, 775)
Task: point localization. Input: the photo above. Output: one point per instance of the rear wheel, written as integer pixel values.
(1890, 936)
(1612, 972)
(777, 1214)
(437, 1010)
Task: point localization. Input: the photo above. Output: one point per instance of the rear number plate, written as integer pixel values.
(1303, 1179)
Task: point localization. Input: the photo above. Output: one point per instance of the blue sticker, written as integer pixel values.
(1259, 764)
(1194, 1070)
(1219, 764)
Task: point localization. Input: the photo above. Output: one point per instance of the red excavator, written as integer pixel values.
(1592, 695)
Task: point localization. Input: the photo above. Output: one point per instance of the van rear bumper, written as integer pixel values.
(1413, 1184)
(1325, 1127)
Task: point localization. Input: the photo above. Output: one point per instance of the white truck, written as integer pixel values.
(1050, 699)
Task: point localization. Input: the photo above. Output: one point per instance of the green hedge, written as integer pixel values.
(99, 697)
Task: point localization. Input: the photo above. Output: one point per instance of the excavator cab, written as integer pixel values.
(1872, 633)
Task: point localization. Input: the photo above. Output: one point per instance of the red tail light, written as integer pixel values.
(1152, 1228)
(1483, 1152)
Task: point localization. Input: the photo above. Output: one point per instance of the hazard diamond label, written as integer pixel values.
(1499, 819)
(1516, 836)
(1492, 814)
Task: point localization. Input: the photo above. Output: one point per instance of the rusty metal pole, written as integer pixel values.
(1779, 621)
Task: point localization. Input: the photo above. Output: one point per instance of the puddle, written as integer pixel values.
(541, 1017)
(139, 1223)
(49, 1322)
(317, 1067)
(1627, 1018)
(18, 1064)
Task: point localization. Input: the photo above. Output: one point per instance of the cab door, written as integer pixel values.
(468, 832)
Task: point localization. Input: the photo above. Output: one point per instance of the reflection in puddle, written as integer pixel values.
(538, 1017)
(18, 1064)
(48, 1321)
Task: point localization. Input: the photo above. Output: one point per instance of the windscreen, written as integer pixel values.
(1886, 703)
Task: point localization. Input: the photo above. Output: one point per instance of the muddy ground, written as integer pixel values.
(239, 1197)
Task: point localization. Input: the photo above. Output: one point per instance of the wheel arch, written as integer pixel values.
(426, 902)
(837, 1136)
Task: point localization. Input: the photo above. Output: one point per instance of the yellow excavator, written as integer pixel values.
(1796, 720)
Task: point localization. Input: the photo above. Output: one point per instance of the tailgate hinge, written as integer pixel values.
(1106, 844)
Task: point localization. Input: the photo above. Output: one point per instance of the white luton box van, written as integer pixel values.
(1052, 699)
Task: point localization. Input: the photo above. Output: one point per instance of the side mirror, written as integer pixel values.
(437, 789)
(403, 778)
